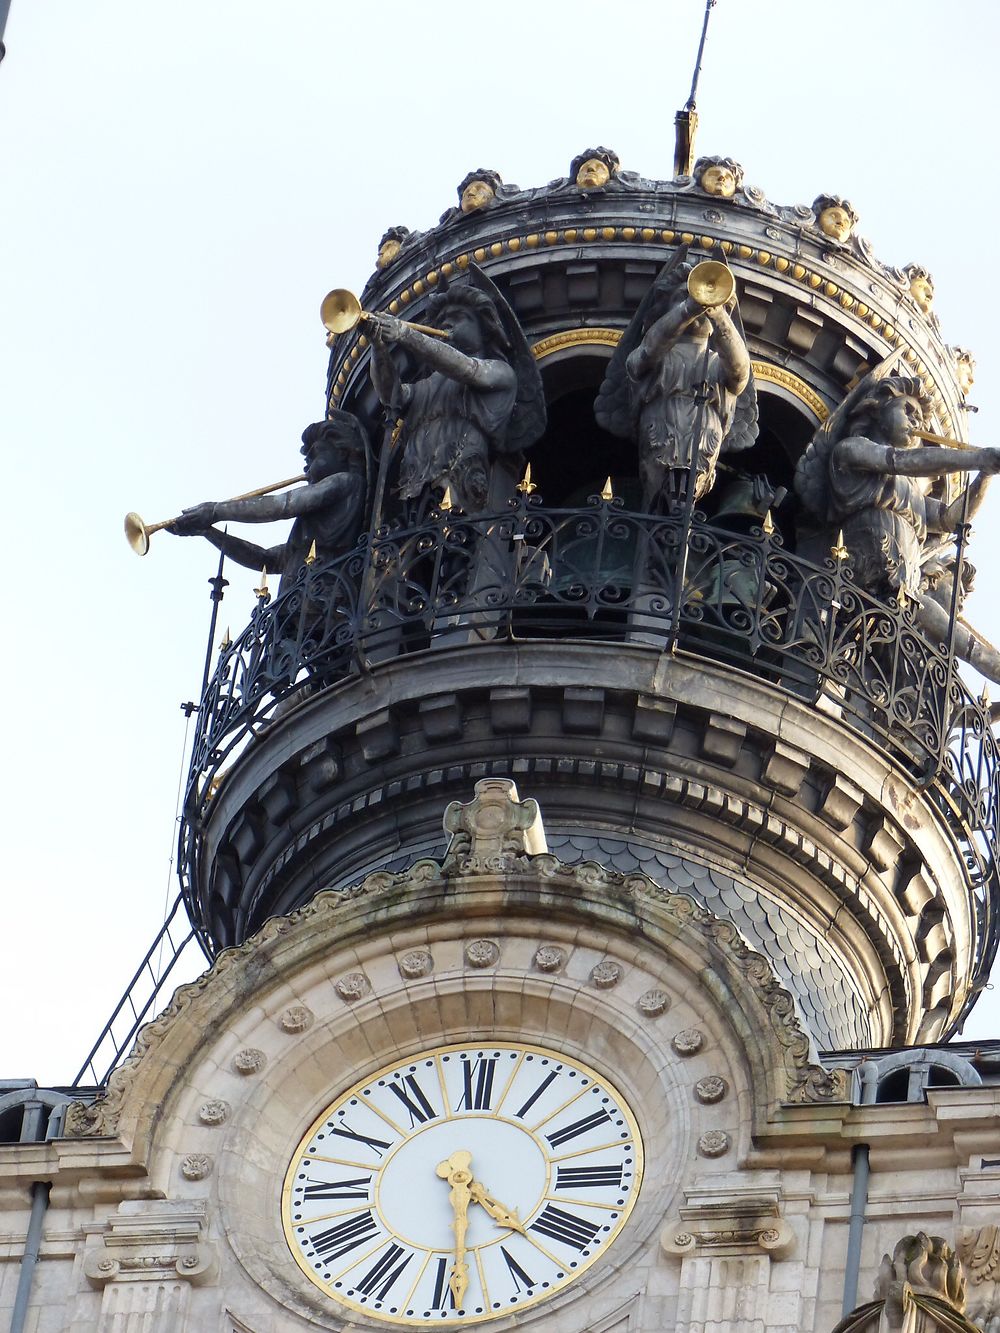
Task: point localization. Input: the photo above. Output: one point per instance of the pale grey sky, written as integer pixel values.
(181, 184)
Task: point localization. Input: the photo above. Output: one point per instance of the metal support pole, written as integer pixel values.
(701, 398)
(217, 584)
(961, 541)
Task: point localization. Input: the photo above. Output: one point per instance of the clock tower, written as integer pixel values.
(594, 828)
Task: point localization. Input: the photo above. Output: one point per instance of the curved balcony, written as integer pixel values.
(600, 573)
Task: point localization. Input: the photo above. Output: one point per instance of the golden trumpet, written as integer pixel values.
(341, 311)
(711, 283)
(945, 440)
(138, 533)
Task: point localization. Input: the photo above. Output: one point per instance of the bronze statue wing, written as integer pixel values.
(612, 408)
(527, 422)
(352, 429)
(812, 469)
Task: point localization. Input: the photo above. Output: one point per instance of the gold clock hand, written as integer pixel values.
(456, 1171)
(507, 1217)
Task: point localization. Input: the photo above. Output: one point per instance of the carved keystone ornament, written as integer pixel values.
(495, 827)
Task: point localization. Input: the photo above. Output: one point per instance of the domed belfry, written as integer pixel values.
(593, 833)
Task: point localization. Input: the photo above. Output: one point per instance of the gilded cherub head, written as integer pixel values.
(921, 286)
(478, 189)
(835, 216)
(593, 168)
(965, 369)
(720, 176)
(390, 245)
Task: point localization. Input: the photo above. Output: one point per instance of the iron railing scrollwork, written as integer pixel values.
(601, 572)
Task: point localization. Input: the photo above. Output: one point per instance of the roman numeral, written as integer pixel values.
(478, 1076)
(346, 1236)
(442, 1292)
(567, 1227)
(588, 1177)
(577, 1128)
(521, 1278)
(535, 1095)
(336, 1189)
(345, 1132)
(415, 1102)
(380, 1278)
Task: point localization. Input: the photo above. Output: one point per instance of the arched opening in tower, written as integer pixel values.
(575, 456)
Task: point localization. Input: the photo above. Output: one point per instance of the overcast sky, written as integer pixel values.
(182, 182)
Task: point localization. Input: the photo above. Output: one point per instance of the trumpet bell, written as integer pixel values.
(136, 534)
(711, 283)
(340, 310)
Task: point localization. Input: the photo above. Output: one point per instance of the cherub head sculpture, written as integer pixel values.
(390, 245)
(593, 168)
(720, 176)
(965, 369)
(921, 286)
(836, 216)
(478, 189)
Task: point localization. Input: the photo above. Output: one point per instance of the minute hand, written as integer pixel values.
(507, 1217)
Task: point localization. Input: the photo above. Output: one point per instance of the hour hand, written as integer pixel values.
(506, 1217)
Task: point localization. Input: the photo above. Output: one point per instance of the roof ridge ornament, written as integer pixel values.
(495, 824)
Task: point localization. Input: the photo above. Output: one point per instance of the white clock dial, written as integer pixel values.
(462, 1184)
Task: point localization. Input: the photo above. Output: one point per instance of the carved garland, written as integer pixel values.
(807, 1083)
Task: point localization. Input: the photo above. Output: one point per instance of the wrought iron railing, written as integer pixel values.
(600, 572)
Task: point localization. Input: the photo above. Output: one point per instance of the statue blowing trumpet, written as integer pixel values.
(341, 311)
(138, 533)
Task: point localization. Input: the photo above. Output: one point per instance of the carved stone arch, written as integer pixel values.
(710, 951)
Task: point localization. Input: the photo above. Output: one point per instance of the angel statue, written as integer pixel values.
(680, 385)
(478, 397)
(863, 473)
(327, 510)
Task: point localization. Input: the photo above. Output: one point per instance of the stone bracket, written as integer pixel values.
(152, 1242)
(748, 1225)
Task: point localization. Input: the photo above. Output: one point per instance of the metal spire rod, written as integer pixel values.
(690, 103)
(686, 120)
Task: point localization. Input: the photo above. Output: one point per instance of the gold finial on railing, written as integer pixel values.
(312, 557)
(984, 698)
(262, 592)
(607, 493)
(445, 503)
(226, 641)
(767, 527)
(839, 551)
(526, 486)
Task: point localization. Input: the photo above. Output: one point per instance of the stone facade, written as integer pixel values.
(164, 1210)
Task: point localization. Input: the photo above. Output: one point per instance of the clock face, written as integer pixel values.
(465, 1183)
